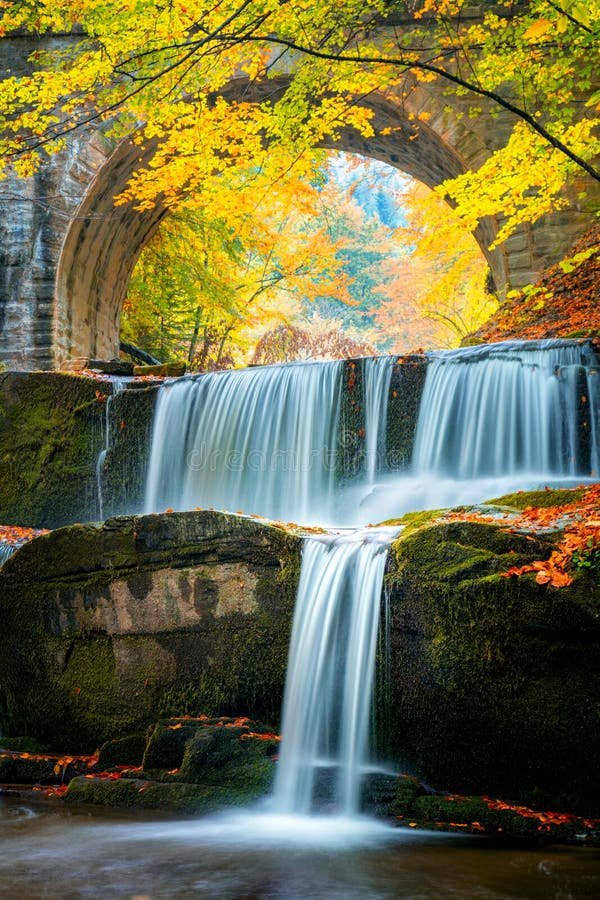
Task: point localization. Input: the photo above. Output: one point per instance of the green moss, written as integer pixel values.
(50, 435)
(140, 794)
(492, 677)
(412, 521)
(542, 499)
(125, 751)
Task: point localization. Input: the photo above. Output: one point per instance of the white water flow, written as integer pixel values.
(7, 550)
(117, 385)
(260, 440)
(266, 440)
(508, 410)
(377, 374)
(331, 665)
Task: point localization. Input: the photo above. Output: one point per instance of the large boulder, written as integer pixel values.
(493, 680)
(108, 626)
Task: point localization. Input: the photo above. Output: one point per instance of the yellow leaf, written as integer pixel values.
(539, 28)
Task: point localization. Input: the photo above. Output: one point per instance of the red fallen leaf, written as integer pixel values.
(542, 577)
(170, 509)
(361, 432)
(561, 579)
(122, 424)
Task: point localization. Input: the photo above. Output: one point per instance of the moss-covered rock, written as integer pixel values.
(125, 751)
(493, 679)
(142, 794)
(50, 436)
(53, 426)
(541, 499)
(196, 764)
(106, 627)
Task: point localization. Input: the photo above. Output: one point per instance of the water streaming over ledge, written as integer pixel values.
(260, 440)
(267, 441)
(7, 550)
(331, 666)
(508, 408)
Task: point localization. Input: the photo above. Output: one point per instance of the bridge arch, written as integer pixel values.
(69, 251)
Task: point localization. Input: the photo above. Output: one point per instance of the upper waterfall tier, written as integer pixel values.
(510, 409)
(330, 442)
(260, 440)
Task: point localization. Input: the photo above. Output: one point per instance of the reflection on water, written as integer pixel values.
(53, 854)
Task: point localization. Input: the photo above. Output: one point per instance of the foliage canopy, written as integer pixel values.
(170, 64)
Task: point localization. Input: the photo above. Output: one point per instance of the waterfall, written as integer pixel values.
(263, 440)
(331, 665)
(377, 374)
(510, 409)
(259, 440)
(117, 385)
(7, 550)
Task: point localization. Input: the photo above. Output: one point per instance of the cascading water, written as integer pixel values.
(263, 440)
(377, 374)
(266, 440)
(7, 550)
(117, 385)
(498, 418)
(509, 409)
(331, 665)
(260, 440)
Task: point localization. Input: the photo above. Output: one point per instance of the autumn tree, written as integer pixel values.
(170, 65)
(434, 289)
(205, 290)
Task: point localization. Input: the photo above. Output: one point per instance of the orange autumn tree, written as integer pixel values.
(434, 287)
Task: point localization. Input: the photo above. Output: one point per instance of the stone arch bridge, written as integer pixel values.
(67, 253)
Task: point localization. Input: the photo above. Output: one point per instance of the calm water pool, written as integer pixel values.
(53, 853)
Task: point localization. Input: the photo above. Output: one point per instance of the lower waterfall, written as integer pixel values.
(331, 667)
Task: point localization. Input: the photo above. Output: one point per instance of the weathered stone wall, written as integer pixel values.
(67, 252)
(108, 627)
